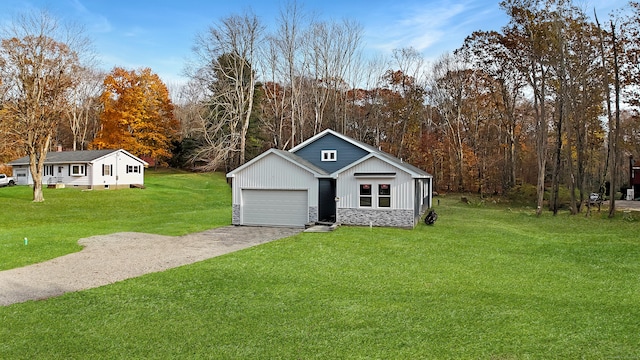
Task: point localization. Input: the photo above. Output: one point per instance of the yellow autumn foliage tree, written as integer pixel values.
(137, 115)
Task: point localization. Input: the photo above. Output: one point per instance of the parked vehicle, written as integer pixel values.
(6, 180)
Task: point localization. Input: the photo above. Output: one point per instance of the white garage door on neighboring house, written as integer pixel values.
(22, 177)
(275, 207)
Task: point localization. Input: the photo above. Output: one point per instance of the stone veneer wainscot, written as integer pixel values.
(366, 217)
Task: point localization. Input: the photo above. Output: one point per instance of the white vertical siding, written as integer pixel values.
(274, 172)
(120, 168)
(402, 185)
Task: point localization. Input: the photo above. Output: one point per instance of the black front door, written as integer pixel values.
(327, 200)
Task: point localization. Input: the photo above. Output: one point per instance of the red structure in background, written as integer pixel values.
(634, 176)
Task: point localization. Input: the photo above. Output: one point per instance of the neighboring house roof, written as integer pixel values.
(81, 157)
(288, 156)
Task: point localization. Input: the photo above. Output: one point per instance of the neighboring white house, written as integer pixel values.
(88, 169)
(329, 178)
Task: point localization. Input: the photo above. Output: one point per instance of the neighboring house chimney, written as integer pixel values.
(59, 148)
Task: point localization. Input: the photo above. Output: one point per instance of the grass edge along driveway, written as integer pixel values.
(174, 203)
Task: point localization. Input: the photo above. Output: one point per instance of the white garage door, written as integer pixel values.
(275, 207)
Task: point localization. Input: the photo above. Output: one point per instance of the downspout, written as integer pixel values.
(89, 174)
(430, 192)
(117, 173)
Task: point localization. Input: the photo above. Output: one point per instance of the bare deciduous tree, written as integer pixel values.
(227, 54)
(289, 40)
(447, 95)
(528, 43)
(83, 106)
(38, 57)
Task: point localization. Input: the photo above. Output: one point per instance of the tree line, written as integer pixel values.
(545, 106)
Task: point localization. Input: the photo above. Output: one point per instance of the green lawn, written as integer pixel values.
(174, 203)
(486, 282)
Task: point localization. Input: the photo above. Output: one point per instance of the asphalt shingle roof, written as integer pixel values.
(61, 157)
(301, 161)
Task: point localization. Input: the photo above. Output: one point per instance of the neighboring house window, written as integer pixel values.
(77, 170)
(133, 169)
(365, 195)
(106, 170)
(384, 195)
(48, 170)
(329, 155)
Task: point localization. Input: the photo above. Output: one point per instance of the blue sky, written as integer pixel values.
(159, 34)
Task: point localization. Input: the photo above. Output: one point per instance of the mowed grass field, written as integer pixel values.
(174, 203)
(486, 282)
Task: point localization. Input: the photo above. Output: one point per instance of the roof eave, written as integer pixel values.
(380, 157)
(234, 172)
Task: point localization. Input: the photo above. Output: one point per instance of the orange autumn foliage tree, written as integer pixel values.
(138, 115)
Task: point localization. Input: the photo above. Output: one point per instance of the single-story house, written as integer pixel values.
(88, 169)
(329, 178)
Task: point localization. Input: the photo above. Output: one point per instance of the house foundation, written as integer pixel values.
(376, 217)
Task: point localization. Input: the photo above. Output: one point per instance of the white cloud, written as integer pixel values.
(95, 22)
(434, 27)
(421, 26)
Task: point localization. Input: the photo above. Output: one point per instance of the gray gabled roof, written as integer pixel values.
(398, 162)
(287, 156)
(371, 149)
(66, 157)
(299, 160)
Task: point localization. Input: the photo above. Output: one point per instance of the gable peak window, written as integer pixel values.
(329, 155)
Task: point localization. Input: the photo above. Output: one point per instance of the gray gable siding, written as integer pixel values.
(347, 153)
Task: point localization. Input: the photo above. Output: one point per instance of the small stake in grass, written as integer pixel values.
(26, 241)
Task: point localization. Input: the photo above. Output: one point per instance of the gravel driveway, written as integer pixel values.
(106, 259)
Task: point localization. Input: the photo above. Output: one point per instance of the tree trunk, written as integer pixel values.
(555, 180)
(607, 91)
(37, 157)
(616, 127)
(541, 144)
(245, 124)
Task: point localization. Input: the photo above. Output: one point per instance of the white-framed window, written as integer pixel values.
(77, 170)
(374, 195)
(329, 155)
(133, 169)
(106, 170)
(384, 195)
(366, 199)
